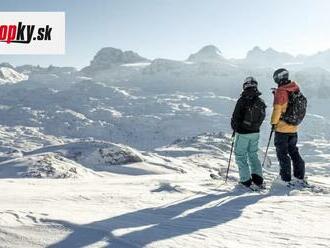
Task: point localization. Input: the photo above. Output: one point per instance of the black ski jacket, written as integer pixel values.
(248, 96)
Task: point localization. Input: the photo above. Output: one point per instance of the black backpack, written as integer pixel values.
(254, 114)
(296, 109)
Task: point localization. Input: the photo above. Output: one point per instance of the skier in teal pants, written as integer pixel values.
(247, 118)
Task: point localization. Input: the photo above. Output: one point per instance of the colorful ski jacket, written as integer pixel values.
(281, 99)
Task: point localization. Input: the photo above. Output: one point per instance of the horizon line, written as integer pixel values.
(154, 58)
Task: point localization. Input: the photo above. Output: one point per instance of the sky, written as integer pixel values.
(176, 28)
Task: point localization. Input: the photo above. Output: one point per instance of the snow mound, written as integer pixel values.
(9, 75)
(94, 153)
(206, 143)
(48, 165)
(25, 138)
(113, 155)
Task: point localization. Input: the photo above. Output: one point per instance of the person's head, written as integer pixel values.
(281, 76)
(250, 82)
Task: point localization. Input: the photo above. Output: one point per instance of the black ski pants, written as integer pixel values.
(287, 150)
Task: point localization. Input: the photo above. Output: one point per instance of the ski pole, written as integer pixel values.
(270, 138)
(231, 152)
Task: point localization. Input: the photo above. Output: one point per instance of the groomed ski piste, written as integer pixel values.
(99, 194)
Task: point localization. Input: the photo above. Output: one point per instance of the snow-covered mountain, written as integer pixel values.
(110, 58)
(125, 98)
(272, 58)
(207, 54)
(205, 70)
(321, 59)
(267, 58)
(9, 75)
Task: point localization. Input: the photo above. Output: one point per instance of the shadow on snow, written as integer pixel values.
(164, 222)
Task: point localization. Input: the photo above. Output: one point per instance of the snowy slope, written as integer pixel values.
(166, 210)
(91, 109)
(141, 212)
(131, 116)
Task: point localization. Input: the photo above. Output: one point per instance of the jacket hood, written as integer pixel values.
(251, 93)
(290, 87)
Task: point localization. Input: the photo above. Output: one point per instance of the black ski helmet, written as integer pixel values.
(250, 82)
(281, 76)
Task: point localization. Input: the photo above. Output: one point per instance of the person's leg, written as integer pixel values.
(254, 162)
(297, 162)
(241, 150)
(282, 145)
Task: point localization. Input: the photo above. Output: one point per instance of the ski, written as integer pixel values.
(307, 187)
(260, 189)
(253, 188)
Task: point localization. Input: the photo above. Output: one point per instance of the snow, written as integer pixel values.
(109, 57)
(47, 165)
(151, 211)
(208, 54)
(158, 207)
(136, 64)
(9, 75)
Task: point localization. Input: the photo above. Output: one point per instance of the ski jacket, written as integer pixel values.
(247, 97)
(281, 99)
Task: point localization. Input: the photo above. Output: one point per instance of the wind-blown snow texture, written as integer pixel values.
(119, 154)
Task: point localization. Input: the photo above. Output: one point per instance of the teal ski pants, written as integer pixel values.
(246, 155)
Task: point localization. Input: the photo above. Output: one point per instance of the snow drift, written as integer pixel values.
(48, 165)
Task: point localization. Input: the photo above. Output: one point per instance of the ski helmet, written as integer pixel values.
(250, 82)
(281, 76)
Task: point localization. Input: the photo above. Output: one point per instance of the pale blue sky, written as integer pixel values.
(176, 28)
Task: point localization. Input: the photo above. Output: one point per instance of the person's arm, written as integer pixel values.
(237, 115)
(280, 104)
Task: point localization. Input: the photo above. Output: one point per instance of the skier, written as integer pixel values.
(288, 111)
(246, 120)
